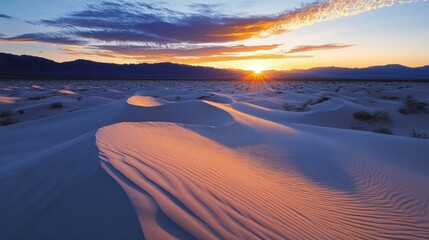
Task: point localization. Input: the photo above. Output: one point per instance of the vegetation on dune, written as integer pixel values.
(417, 134)
(57, 105)
(377, 116)
(383, 130)
(413, 106)
(321, 100)
(38, 97)
(6, 113)
(7, 121)
(297, 108)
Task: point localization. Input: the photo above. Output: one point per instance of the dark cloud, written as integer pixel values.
(185, 51)
(120, 36)
(110, 21)
(208, 59)
(5, 16)
(308, 48)
(44, 38)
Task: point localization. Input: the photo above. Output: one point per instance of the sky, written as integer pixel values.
(254, 35)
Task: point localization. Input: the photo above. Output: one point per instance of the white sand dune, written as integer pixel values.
(257, 179)
(211, 160)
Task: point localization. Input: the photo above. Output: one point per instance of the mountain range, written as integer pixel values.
(30, 67)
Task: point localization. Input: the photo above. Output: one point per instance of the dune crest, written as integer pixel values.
(145, 101)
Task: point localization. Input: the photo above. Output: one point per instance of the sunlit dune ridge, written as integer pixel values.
(248, 178)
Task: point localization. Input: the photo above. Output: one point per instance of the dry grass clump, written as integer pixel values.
(383, 130)
(377, 116)
(39, 97)
(6, 113)
(389, 97)
(57, 105)
(413, 106)
(7, 121)
(297, 108)
(321, 100)
(421, 135)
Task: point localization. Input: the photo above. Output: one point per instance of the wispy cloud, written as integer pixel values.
(53, 38)
(188, 51)
(240, 58)
(308, 48)
(320, 11)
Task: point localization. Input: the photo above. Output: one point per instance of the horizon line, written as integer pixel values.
(205, 66)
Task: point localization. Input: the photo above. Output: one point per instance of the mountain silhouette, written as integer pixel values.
(30, 67)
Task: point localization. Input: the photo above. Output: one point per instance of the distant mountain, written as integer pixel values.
(27, 67)
(387, 72)
(13, 66)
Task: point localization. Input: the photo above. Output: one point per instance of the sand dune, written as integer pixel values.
(211, 160)
(257, 179)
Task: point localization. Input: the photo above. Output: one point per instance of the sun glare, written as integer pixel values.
(257, 70)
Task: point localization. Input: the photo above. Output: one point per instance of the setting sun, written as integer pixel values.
(257, 69)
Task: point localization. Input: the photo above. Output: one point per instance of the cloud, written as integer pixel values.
(53, 38)
(184, 55)
(185, 51)
(109, 21)
(113, 21)
(5, 16)
(320, 11)
(239, 58)
(202, 32)
(308, 48)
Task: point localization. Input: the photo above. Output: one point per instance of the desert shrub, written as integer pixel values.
(421, 135)
(377, 116)
(321, 100)
(413, 106)
(6, 113)
(389, 97)
(381, 116)
(7, 121)
(364, 116)
(294, 108)
(204, 97)
(40, 97)
(57, 105)
(383, 130)
(358, 128)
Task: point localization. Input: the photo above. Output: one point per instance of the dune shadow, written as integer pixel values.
(313, 158)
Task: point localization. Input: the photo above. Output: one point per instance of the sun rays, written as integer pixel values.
(257, 80)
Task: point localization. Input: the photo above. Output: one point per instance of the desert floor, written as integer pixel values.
(214, 160)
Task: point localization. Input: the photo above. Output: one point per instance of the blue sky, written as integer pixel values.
(241, 34)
